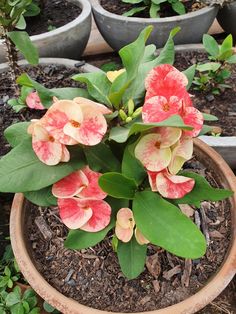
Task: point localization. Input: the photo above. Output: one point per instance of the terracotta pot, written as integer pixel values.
(119, 30)
(211, 290)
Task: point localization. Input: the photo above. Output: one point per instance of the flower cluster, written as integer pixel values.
(67, 122)
(164, 150)
(80, 201)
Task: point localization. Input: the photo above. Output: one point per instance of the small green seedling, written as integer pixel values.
(212, 75)
(154, 7)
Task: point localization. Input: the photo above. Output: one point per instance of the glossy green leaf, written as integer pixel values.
(98, 85)
(133, 11)
(209, 117)
(154, 9)
(101, 158)
(131, 257)
(202, 191)
(22, 171)
(121, 134)
(178, 7)
(231, 59)
(42, 197)
(131, 166)
(209, 66)
(117, 185)
(226, 46)
(190, 73)
(70, 92)
(26, 47)
(211, 45)
(163, 224)
(149, 53)
(79, 239)
(16, 133)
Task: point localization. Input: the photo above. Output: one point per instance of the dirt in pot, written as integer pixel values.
(119, 7)
(223, 106)
(93, 276)
(54, 14)
(51, 76)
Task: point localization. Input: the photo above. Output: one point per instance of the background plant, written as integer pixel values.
(154, 6)
(212, 75)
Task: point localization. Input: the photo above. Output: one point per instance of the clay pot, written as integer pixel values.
(211, 290)
(119, 30)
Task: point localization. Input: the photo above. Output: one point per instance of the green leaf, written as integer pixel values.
(178, 7)
(32, 10)
(117, 185)
(12, 298)
(133, 11)
(131, 166)
(26, 47)
(47, 307)
(190, 73)
(22, 171)
(163, 224)
(101, 158)
(154, 9)
(131, 257)
(232, 59)
(211, 45)
(16, 133)
(26, 306)
(226, 46)
(209, 117)
(209, 66)
(121, 134)
(79, 239)
(70, 93)
(205, 129)
(202, 191)
(42, 197)
(132, 1)
(44, 93)
(21, 24)
(149, 53)
(98, 85)
(17, 309)
(36, 310)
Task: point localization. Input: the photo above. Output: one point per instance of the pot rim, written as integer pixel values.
(190, 305)
(85, 13)
(96, 6)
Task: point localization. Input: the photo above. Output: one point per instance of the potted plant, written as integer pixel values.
(116, 164)
(68, 41)
(226, 16)
(119, 30)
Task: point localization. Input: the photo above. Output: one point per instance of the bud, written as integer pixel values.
(137, 112)
(122, 114)
(130, 107)
(129, 119)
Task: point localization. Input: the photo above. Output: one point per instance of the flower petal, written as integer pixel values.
(125, 218)
(165, 80)
(101, 215)
(182, 152)
(60, 114)
(193, 117)
(124, 235)
(74, 214)
(112, 75)
(33, 101)
(140, 238)
(65, 154)
(45, 147)
(173, 187)
(152, 180)
(92, 190)
(168, 136)
(91, 131)
(149, 153)
(70, 185)
(159, 108)
(94, 105)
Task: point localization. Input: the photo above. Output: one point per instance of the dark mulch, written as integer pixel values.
(119, 7)
(93, 276)
(56, 13)
(51, 76)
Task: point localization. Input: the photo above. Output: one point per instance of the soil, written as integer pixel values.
(51, 76)
(119, 7)
(93, 276)
(54, 14)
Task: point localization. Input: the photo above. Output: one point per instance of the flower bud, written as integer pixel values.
(137, 112)
(130, 107)
(122, 114)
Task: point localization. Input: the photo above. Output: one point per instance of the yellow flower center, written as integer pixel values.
(75, 124)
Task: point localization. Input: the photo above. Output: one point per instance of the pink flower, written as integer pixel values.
(47, 149)
(79, 121)
(154, 149)
(125, 227)
(33, 101)
(167, 96)
(170, 186)
(80, 201)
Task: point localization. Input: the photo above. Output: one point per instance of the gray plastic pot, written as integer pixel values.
(119, 30)
(225, 146)
(227, 18)
(68, 41)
